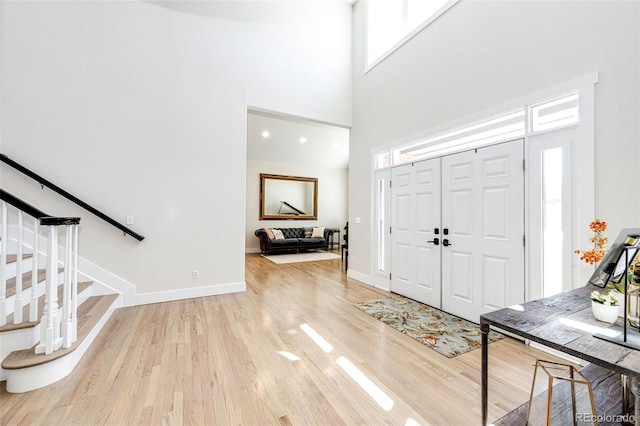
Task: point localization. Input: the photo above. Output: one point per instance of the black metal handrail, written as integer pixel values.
(21, 205)
(43, 218)
(44, 182)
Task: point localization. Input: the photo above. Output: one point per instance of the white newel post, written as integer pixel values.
(3, 264)
(17, 306)
(58, 326)
(33, 305)
(50, 324)
(69, 325)
(66, 290)
(74, 283)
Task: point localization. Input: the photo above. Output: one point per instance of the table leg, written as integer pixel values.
(625, 393)
(485, 371)
(635, 389)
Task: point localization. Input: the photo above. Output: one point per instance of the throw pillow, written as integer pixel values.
(318, 232)
(278, 234)
(269, 233)
(308, 232)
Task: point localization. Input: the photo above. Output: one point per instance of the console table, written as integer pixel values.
(563, 322)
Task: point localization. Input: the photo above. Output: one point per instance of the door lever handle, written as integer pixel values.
(435, 241)
(446, 243)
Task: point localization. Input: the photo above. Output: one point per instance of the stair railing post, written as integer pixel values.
(74, 283)
(67, 333)
(50, 324)
(33, 304)
(3, 264)
(17, 306)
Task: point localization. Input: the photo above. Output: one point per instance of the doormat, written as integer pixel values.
(444, 333)
(310, 256)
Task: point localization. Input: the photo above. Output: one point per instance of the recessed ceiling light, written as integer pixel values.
(303, 140)
(266, 134)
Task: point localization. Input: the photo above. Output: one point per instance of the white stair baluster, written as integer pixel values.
(17, 307)
(33, 305)
(50, 323)
(3, 265)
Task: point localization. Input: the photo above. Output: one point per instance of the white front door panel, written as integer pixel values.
(483, 214)
(415, 213)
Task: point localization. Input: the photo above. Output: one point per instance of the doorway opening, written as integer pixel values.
(285, 145)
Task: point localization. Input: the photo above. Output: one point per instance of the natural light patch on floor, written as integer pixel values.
(320, 341)
(411, 422)
(381, 398)
(289, 356)
(377, 394)
(588, 328)
(518, 308)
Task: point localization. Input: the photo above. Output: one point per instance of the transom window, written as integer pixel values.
(554, 113)
(390, 23)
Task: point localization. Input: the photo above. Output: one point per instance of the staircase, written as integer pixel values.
(50, 312)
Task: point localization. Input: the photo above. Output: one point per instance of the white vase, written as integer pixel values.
(620, 298)
(604, 313)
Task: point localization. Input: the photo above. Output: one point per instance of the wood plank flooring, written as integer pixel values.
(243, 359)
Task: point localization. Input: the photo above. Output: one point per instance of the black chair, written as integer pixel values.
(344, 253)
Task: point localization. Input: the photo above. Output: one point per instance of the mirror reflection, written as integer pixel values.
(288, 197)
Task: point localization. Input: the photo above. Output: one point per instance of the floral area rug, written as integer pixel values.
(444, 333)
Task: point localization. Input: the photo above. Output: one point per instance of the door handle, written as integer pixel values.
(446, 243)
(435, 241)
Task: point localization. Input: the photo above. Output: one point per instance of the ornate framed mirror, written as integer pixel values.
(288, 197)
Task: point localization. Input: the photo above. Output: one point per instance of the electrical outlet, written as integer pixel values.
(358, 220)
(129, 220)
(195, 274)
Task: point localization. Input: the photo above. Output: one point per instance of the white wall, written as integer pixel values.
(332, 197)
(139, 108)
(481, 54)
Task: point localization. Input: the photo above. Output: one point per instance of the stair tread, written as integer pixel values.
(12, 258)
(25, 310)
(26, 281)
(89, 313)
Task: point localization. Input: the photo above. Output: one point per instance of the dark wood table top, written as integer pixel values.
(564, 322)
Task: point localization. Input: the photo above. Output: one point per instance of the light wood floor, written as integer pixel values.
(224, 360)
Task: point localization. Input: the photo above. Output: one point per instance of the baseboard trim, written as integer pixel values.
(188, 293)
(359, 276)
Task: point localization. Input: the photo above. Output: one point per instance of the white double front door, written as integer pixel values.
(457, 230)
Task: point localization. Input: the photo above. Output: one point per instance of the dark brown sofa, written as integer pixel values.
(294, 240)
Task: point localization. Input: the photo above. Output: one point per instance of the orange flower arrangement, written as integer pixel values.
(597, 253)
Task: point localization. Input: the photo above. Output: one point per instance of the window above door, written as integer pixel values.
(391, 23)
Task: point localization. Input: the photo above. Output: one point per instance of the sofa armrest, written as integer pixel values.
(264, 239)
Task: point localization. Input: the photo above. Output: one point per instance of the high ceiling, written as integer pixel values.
(294, 140)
